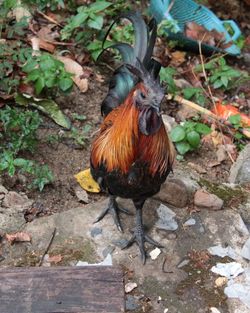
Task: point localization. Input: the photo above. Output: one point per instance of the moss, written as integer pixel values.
(232, 197)
(202, 279)
(71, 250)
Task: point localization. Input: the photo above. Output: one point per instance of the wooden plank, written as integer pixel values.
(80, 289)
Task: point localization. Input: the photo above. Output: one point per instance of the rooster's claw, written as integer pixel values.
(113, 208)
(140, 238)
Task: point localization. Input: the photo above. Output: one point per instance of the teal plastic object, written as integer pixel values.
(183, 11)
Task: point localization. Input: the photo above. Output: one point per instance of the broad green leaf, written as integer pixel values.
(65, 83)
(29, 66)
(224, 80)
(235, 119)
(47, 64)
(193, 139)
(99, 6)
(202, 129)
(217, 84)
(21, 162)
(177, 134)
(33, 75)
(189, 92)
(183, 147)
(48, 107)
(96, 23)
(39, 85)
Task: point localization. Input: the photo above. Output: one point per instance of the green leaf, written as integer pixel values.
(189, 92)
(99, 6)
(235, 119)
(218, 83)
(29, 66)
(33, 75)
(177, 134)
(21, 162)
(202, 129)
(224, 80)
(183, 147)
(48, 107)
(96, 23)
(47, 64)
(65, 83)
(193, 139)
(39, 85)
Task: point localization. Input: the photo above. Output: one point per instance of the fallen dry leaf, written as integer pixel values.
(177, 58)
(38, 43)
(18, 237)
(46, 33)
(73, 67)
(87, 182)
(55, 259)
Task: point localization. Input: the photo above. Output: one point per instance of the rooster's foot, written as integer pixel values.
(114, 209)
(140, 238)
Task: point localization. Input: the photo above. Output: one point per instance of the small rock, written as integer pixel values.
(221, 153)
(214, 310)
(229, 270)
(220, 281)
(240, 171)
(169, 122)
(223, 252)
(16, 201)
(199, 169)
(204, 199)
(166, 218)
(245, 252)
(172, 236)
(174, 192)
(95, 231)
(190, 222)
(81, 194)
(165, 310)
(130, 286)
(131, 303)
(3, 190)
(155, 253)
(183, 263)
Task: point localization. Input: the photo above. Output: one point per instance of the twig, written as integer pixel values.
(49, 18)
(211, 97)
(48, 247)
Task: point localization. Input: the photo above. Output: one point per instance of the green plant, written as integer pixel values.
(196, 94)
(167, 25)
(167, 76)
(221, 75)
(88, 18)
(79, 135)
(47, 72)
(95, 47)
(187, 137)
(17, 135)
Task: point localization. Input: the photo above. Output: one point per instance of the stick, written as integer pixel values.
(48, 247)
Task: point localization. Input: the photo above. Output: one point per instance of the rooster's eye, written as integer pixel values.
(142, 94)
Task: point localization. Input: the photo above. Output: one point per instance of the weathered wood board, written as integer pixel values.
(87, 289)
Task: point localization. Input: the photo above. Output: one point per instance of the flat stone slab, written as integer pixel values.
(162, 284)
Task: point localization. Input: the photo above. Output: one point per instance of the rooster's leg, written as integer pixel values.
(139, 235)
(114, 209)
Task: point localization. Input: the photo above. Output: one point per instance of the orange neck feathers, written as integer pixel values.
(120, 142)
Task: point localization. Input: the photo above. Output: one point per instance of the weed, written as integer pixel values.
(79, 135)
(88, 17)
(17, 134)
(187, 137)
(195, 94)
(167, 76)
(221, 75)
(47, 72)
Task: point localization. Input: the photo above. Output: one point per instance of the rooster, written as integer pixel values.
(132, 154)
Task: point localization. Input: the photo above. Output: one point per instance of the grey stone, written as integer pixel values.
(95, 231)
(120, 243)
(190, 222)
(245, 252)
(240, 171)
(131, 303)
(166, 218)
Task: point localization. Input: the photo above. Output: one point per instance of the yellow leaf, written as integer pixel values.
(87, 182)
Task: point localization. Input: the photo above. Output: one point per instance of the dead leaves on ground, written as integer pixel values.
(18, 237)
